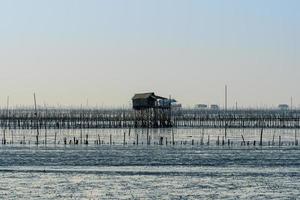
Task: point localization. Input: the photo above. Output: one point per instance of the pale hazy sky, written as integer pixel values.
(68, 51)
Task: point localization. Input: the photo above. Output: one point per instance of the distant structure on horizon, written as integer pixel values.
(201, 106)
(214, 107)
(206, 107)
(283, 106)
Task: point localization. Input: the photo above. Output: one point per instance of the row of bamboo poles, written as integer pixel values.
(125, 118)
(146, 139)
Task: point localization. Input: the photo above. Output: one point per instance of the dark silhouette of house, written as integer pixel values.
(146, 100)
(150, 112)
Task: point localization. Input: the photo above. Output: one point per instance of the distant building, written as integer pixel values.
(167, 102)
(145, 101)
(170, 102)
(151, 111)
(214, 107)
(283, 106)
(201, 106)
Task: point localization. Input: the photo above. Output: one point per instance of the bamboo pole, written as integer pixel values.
(173, 143)
(261, 136)
(37, 120)
(124, 138)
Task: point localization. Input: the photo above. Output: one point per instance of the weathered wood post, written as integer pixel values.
(261, 136)
(80, 134)
(226, 130)
(202, 138)
(12, 137)
(149, 140)
(86, 139)
(161, 140)
(147, 136)
(124, 138)
(45, 125)
(279, 141)
(208, 138)
(296, 141)
(37, 120)
(7, 121)
(244, 143)
(173, 143)
(55, 137)
(3, 140)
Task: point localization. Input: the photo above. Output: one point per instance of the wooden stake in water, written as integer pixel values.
(45, 127)
(202, 138)
(124, 138)
(261, 136)
(208, 138)
(173, 143)
(37, 120)
(12, 137)
(226, 130)
(81, 116)
(279, 140)
(296, 142)
(7, 121)
(160, 140)
(3, 140)
(147, 136)
(80, 135)
(244, 143)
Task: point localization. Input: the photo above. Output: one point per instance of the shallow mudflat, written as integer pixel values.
(164, 172)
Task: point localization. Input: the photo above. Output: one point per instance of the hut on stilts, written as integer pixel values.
(151, 111)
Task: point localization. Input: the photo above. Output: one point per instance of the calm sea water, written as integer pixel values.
(181, 171)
